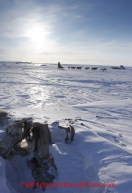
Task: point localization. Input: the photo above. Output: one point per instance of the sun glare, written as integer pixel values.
(38, 34)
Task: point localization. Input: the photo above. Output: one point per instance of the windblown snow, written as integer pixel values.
(102, 148)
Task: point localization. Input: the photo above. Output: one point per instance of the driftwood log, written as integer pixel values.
(15, 141)
(42, 138)
(23, 137)
(70, 132)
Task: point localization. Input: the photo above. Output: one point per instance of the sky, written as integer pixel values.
(95, 32)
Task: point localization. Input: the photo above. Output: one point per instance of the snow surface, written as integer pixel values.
(102, 148)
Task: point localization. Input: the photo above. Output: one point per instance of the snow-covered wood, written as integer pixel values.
(4, 118)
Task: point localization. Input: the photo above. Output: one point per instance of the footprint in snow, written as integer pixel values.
(117, 140)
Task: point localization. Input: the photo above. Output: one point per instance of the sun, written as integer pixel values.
(38, 33)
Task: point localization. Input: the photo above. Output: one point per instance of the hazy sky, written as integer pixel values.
(69, 31)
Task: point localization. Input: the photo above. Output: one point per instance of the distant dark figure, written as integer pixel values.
(87, 68)
(122, 67)
(95, 68)
(73, 67)
(59, 65)
(103, 69)
(115, 67)
(69, 67)
(79, 68)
